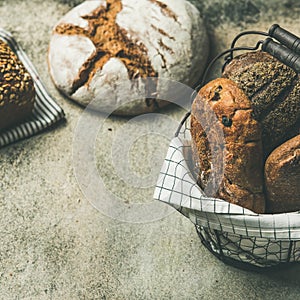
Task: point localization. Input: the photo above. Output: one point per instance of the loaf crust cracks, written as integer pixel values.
(110, 41)
(123, 56)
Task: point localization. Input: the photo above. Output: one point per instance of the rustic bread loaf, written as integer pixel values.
(17, 92)
(242, 181)
(103, 51)
(274, 92)
(282, 177)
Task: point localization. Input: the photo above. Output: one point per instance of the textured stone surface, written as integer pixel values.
(55, 245)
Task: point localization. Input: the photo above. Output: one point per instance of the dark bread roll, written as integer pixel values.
(274, 92)
(282, 177)
(17, 91)
(242, 180)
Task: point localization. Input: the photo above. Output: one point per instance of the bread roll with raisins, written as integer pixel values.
(241, 147)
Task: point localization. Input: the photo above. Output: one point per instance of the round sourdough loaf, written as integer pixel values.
(282, 176)
(17, 92)
(103, 51)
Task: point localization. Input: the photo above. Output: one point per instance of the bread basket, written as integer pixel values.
(235, 235)
(232, 233)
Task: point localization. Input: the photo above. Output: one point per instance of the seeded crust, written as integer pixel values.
(16, 89)
(242, 182)
(282, 177)
(274, 91)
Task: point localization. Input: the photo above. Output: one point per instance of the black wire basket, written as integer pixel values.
(249, 253)
(235, 235)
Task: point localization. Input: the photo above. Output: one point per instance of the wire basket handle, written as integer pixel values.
(287, 51)
(206, 73)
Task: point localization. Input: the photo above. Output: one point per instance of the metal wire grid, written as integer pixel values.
(235, 235)
(248, 252)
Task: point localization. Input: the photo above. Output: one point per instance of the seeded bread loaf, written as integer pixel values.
(282, 177)
(274, 92)
(242, 163)
(16, 89)
(104, 51)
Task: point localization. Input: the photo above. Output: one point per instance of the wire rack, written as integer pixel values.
(235, 235)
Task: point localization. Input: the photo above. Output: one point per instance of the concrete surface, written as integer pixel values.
(55, 245)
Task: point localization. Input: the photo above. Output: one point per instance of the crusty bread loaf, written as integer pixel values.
(282, 177)
(106, 51)
(16, 89)
(242, 182)
(274, 92)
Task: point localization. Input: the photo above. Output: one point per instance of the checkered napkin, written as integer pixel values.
(177, 187)
(46, 112)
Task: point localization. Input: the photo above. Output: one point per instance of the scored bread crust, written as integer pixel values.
(17, 93)
(105, 50)
(282, 177)
(242, 181)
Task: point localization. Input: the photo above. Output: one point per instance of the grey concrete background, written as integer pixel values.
(55, 245)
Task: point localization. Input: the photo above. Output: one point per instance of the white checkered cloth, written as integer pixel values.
(177, 187)
(46, 111)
